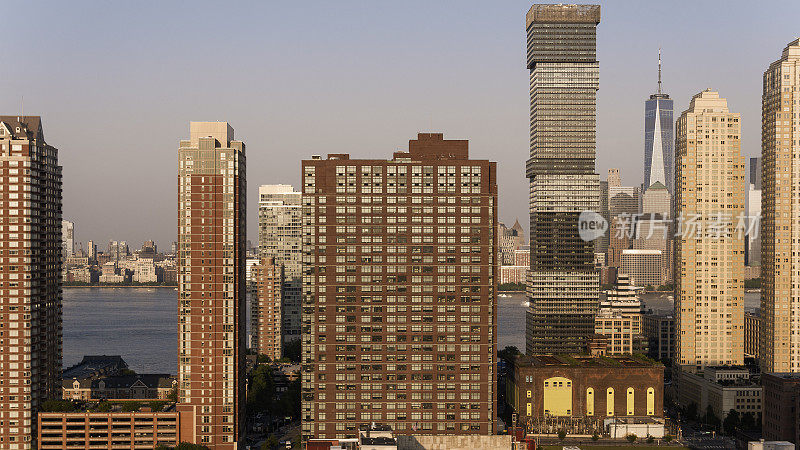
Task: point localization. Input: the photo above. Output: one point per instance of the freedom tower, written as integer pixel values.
(564, 77)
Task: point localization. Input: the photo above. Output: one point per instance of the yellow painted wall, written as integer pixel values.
(558, 396)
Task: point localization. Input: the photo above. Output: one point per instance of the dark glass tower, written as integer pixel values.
(659, 140)
(564, 76)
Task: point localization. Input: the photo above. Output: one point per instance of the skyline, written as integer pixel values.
(137, 90)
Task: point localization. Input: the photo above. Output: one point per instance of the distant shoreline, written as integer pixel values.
(105, 286)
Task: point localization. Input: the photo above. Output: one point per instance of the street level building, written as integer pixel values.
(781, 412)
(399, 302)
(721, 388)
(30, 278)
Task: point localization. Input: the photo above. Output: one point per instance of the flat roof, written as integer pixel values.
(586, 361)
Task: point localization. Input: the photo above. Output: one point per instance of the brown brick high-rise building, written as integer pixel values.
(30, 278)
(211, 252)
(266, 310)
(399, 292)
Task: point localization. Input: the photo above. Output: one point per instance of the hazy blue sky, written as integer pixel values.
(118, 82)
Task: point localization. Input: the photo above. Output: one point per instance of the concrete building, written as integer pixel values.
(657, 201)
(118, 250)
(513, 274)
(753, 253)
(660, 333)
(67, 238)
(30, 277)
(623, 206)
(108, 430)
(618, 330)
(145, 271)
(722, 388)
(211, 314)
(578, 393)
(563, 285)
(279, 237)
(781, 418)
(780, 223)
(752, 331)
(266, 313)
(400, 307)
(659, 152)
(769, 445)
(653, 233)
(709, 254)
(623, 301)
(644, 267)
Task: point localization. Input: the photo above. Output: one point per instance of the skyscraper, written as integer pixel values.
(266, 317)
(709, 258)
(67, 238)
(658, 139)
(780, 224)
(211, 278)
(30, 277)
(754, 213)
(399, 292)
(563, 285)
(279, 237)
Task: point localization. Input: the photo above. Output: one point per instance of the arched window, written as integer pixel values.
(589, 401)
(610, 401)
(651, 401)
(630, 401)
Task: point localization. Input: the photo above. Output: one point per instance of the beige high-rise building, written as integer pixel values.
(30, 278)
(780, 208)
(211, 280)
(709, 258)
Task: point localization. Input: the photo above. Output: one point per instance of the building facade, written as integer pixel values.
(211, 314)
(563, 285)
(780, 223)
(30, 277)
(721, 388)
(754, 213)
(660, 333)
(644, 267)
(709, 255)
(108, 430)
(400, 301)
(752, 331)
(550, 392)
(266, 314)
(67, 238)
(279, 237)
(781, 412)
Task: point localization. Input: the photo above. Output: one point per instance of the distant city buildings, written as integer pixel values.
(658, 140)
(32, 248)
(659, 329)
(211, 254)
(511, 240)
(67, 238)
(399, 302)
(780, 224)
(709, 267)
(643, 266)
(563, 285)
(752, 331)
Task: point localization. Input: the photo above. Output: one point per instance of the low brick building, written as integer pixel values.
(549, 392)
(107, 430)
(781, 394)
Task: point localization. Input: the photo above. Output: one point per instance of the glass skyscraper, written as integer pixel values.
(564, 77)
(659, 140)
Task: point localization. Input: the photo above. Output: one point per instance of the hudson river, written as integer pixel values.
(141, 324)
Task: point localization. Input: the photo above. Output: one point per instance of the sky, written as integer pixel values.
(117, 84)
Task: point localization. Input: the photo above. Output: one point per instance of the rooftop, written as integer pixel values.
(563, 14)
(586, 361)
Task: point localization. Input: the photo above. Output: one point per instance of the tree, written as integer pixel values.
(103, 406)
(731, 422)
(260, 395)
(667, 438)
(595, 437)
(131, 406)
(270, 443)
(59, 406)
(748, 421)
(711, 418)
(508, 354)
(631, 438)
(691, 411)
(650, 439)
(562, 434)
(173, 394)
(292, 350)
(157, 405)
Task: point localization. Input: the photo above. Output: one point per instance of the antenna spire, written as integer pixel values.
(659, 70)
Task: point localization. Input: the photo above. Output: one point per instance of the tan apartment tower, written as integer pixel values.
(399, 292)
(780, 208)
(709, 252)
(30, 278)
(211, 252)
